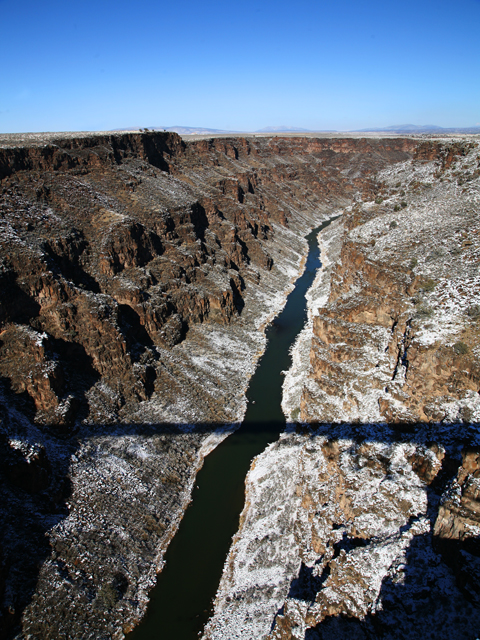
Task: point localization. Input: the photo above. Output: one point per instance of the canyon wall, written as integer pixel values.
(363, 520)
(138, 272)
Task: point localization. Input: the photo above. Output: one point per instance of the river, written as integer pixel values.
(181, 602)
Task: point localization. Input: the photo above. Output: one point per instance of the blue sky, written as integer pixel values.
(238, 65)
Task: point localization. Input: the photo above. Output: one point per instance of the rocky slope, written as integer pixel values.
(368, 527)
(398, 340)
(138, 272)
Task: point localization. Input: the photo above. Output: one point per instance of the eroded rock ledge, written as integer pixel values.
(137, 272)
(369, 527)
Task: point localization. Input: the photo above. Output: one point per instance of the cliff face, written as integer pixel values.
(113, 246)
(356, 532)
(381, 506)
(137, 272)
(398, 337)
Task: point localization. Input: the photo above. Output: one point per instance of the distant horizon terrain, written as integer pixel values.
(400, 128)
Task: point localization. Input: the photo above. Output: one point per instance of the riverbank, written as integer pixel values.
(330, 243)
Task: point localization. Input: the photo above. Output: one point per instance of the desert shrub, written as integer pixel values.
(296, 414)
(467, 414)
(107, 596)
(397, 207)
(474, 311)
(423, 311)
(413, 263)
(436, 253)
(393, 224)
(378, 200)
(403, 204)
(428, 285)
(460, 348)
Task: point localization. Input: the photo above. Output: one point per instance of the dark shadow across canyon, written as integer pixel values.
(26, 512)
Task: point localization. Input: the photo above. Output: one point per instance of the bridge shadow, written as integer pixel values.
(35, 471)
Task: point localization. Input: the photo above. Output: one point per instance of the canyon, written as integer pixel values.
(139, 272)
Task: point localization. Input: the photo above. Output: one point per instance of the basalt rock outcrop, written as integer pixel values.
(347, 532)
(363, 520)
(118, 244)
(400, 326)
(137, 273)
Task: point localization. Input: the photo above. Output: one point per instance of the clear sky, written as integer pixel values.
(238, 65)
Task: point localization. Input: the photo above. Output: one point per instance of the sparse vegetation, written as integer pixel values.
(428, 285)
(404, 204)
(474, 311)
(107, 596)
(296, 414)
(397, 207)
(378, 200)
(436, 253)
(424, 311)
(413, 263)
(393, 224)
(460, 348)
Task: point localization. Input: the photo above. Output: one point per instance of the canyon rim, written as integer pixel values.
(138, 272)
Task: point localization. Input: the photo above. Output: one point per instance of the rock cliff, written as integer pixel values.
(399, 330)
(368, 526)
(138, 272)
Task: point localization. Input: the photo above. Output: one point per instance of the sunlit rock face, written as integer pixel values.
(368, 526)
(138, 272)
(398, 337)
(348, 532)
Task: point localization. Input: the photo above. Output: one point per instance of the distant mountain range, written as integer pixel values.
(398, 128)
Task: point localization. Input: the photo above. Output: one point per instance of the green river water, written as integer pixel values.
(181, 602)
